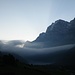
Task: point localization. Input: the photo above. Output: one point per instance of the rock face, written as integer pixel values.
(59, 33)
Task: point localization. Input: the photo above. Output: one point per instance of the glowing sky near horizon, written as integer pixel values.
(26, 19)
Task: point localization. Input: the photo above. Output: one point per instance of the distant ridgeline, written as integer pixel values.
(58, 33)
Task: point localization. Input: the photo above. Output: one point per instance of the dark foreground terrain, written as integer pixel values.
(11, 66)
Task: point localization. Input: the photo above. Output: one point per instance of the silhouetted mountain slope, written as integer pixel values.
(10, 66)
(69, 57)
(58, 33)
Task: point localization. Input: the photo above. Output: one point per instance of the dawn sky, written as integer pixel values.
(26, 19)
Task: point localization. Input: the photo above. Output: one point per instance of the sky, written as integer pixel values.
(26, 19)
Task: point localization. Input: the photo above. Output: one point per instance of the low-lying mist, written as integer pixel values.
(32, 54)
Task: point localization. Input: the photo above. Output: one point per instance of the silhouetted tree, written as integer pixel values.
(9, 59)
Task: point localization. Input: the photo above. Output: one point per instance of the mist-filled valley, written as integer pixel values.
(35, 55)
(37, 37)
(53, 50)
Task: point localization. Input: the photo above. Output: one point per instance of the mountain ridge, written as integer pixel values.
(60, 33)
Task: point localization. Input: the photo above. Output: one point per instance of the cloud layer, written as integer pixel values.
(31, 54)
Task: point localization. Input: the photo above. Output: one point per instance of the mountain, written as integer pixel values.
(58, 33)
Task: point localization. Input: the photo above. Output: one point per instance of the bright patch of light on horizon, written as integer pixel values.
(20, 46)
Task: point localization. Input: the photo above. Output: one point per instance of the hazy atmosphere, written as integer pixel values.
(37, 37)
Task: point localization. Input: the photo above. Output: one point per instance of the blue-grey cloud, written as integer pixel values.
(36, 55)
